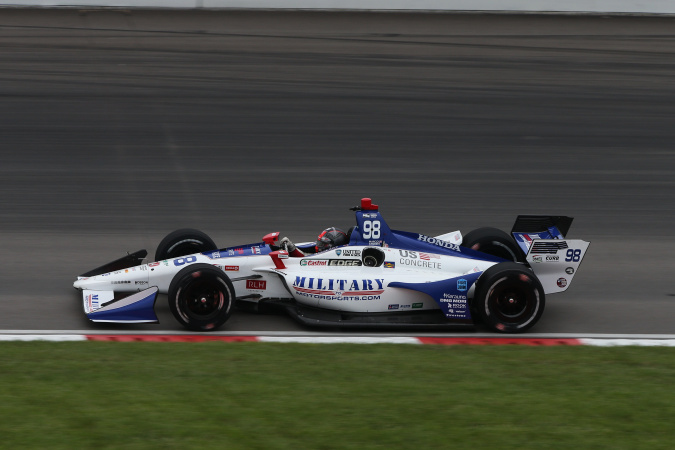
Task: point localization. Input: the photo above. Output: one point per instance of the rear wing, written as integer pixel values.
(528, 228)
(554, 259)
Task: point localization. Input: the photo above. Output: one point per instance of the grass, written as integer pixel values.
(278, 396)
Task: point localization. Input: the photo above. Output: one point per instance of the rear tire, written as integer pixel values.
(201, 297)
(509, 298)
(495, 242)
(186, 241)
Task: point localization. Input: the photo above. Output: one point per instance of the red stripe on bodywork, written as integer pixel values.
(168, 338)
(498, 341)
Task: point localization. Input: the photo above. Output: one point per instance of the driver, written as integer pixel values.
(329, 238)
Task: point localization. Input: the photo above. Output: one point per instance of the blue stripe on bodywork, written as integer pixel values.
(136, 308)
(240, 250)
(372, 230)
(450, 294)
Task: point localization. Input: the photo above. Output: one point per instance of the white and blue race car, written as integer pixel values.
(382, 278)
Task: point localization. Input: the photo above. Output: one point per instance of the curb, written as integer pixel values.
(533, 342)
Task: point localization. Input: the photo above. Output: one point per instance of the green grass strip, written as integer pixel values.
(292, 396)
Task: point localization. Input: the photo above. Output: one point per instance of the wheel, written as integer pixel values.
(201, 297)
(509, 298)
(494, 242)
(184, 242)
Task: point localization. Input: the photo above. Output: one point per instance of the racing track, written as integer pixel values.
(117, 127)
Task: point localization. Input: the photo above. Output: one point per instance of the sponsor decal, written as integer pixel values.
(417, 305)
(214, 255)
(409, 258)
(330, 262)
(256, 285)
(231, 268)
(562, 282)
(547, 258)
(93, 302)
(461, 285)
(339, 289)
(140, 282)
(451, 298)
(349, 253)
(255, 250)
(239, 251)
(419, 263)
(569, 270)
(457, 305)
(389, 265)
(120, 282)
(314, 262)
(392, 307)
(438, 242)
(338, 252)
(344, 262)
(405, 306)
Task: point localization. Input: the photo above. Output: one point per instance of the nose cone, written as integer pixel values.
(83, 283)
(125, 280)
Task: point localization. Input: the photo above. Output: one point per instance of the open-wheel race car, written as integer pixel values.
(379, 277)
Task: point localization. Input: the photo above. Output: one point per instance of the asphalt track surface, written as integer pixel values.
(117, 127)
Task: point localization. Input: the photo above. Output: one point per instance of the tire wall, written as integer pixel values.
(567, 6)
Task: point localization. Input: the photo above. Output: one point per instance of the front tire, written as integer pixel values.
(186, 241)
(509, 298)
(495, 242)
(201, 297)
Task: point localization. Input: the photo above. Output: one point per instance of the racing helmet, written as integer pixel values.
(329, 238)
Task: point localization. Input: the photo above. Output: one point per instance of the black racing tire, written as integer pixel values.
(201, 297)
(509, 298)
(495, 242)
(186, 241)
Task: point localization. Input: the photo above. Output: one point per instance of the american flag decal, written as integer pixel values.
(548, 247)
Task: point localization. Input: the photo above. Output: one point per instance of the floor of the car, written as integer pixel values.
(318, 317)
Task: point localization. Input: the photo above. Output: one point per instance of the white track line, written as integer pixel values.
(627, 342)
(340, 340)
(43, 337)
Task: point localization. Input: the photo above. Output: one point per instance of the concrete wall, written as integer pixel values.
(589, 6)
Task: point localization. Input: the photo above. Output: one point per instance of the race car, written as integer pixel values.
(381, 278)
